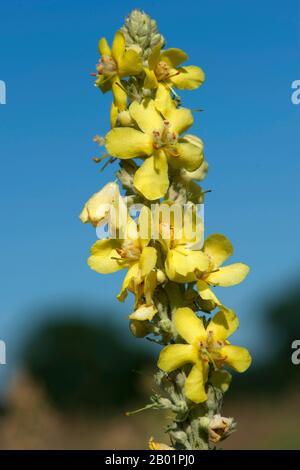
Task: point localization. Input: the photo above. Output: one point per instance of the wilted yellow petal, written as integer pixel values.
(158, 445)
(98, 207)
(143, 313)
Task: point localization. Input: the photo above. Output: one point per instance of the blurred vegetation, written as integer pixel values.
(277, 374)
(86, 366)
(79, 376)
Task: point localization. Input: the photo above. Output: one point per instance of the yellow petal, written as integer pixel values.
(189, 157)
(146, 116)
(185, 262)
(176, 355)
(229, 275)
(125, 142)
(143, 313)
(145, 224)
(118, 46)
(151, 179)
(188, 325)
(130, 64)
(103, 257)
(113, 115)
(173, 57)
(223, 324)
(180, 119)
(104, 48)
(148, 260)
(150, 79)
(163, 101)
(158, 445)
(206, 293)
(218, 248)
(150, 284)
(120, 97)
(154, 57)
(195, 383)
(236, 357)
(133, 274)
(188, 78)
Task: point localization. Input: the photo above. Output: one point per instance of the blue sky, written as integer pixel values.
(250, 53)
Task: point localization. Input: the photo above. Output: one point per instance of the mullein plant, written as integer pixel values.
(171, 277)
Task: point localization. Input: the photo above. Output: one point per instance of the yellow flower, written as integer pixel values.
(133, 253)
(158, 445)
(163, 67)
(158, 141)
(98, 208)
(116, 63)
(179, 232)
(218, 248)
(206, 345)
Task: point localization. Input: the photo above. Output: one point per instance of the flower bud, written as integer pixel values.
(219, 428)
(139, 329)
(124, 119)
(141, 30)
(160, 276)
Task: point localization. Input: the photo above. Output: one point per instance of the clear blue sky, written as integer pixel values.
(250, 53)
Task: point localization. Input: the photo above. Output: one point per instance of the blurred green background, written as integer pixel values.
(77, 379)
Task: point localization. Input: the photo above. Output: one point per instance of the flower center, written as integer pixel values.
(165, 139)
(129, 250)
(162, 71)
(210, 348)
(106, 66)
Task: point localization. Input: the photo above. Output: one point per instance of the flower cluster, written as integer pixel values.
(171, 275)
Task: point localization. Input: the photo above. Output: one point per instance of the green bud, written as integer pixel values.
(141, 30)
